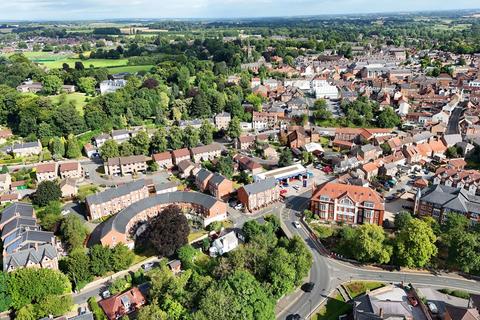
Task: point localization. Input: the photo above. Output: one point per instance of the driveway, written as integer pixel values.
(441, 299)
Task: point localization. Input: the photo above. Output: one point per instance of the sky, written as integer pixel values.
(111, 9)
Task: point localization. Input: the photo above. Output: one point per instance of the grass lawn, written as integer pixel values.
(334, 308)
(195, 235)
(357, 288)
(130, 69)
(96, 63)
(324, 141)
(79, 99)
(143, 254)
(86, 190)
(87, 137)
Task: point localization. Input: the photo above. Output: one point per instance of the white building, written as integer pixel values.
(403, 108)
(109, 86)
(224, 244)
(324, 90)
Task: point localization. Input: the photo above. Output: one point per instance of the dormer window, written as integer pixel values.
(369, 204)
(325, 198)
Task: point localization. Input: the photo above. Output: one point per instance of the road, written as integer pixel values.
(328, 273)
(452, 127)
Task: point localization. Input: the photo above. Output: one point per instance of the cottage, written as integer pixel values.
(46, 171)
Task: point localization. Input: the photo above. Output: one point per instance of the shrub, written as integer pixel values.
(96, 310)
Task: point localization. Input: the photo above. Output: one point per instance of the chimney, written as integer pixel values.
(380, 313)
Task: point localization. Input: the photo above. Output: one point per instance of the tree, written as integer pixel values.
(73, 231)
(109, 150)
(122, 257)
(234, 129)
(51, 215)
(87, 85)
(53, 305)
(464, 252)
(73, 149)
(206, 132)
(52, 84)
(47, 191)
(159, 142)
(415, 244)
(152, 311)
(126, 149)
(370, 246)
(168, 231)
(281, 274)
(26, 313)
(5, 293)
(57, 147)
(255, 100)
(187, 254)
(175, 138)
(386, 149)
(77, 267)
(454, 225)
(285, 158)
(225, 166)
(401, 219)
(388, 118)
(100, 260)
(191, 137)
(451, 152)
(141, 143)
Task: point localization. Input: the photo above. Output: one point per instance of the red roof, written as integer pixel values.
(357, 194)
(181, 153)
(114, 306)
(162, 156)
(69, 166)
(46, 167)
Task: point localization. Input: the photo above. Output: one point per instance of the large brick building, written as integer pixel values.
(113, 200)
(126, 165)
(260, 194)
(335, 202)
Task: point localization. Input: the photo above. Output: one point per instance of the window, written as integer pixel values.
(369, 204)
(325, 198)
(346, 202)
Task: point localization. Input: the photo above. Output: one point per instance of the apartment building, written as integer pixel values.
(222, 120)
(164, 160)
(115, 199)
(70, 170)
(458, 178)
(258, 195)
(264, 120)
(336, 202)
(125, 165)
(46, 171)
(438, 201)
(24, 243)
(208, 152)
(219, 186)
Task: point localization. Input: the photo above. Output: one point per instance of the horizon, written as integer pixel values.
(89, 10)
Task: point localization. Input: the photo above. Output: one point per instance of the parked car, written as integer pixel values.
(295, 316)
(296, 224)
(283, 192)
(413, 301)
(308, 287)
(147, 266)
(432, 307)
(106, 294)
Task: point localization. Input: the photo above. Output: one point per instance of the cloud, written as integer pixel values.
(99, 9)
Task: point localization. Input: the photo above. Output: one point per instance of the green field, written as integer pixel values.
(334, 308)
(130, 69)
(80, 100)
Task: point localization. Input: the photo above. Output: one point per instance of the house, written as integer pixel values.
(258, 194)
(120, 135)
(180, 155)
(166, 187)
(175, 266)
(262, 121)
(164, 160)
(101, 139)
(186, 168)
(297, 136)
(206, 153)
(219, 186)
(438, 200)
(5, 134)
(115, 199)
(24, 243)
(245, 142)
(69, 189)
(248, 164)
(224, 244)
(109, 86)
(368, 153)
(460, 313)
(46, 171)
(5, 181)
(202, 178)
(122, 304)
(222, 120)
(70, 170)
(9, 198)
(125, 165)
(89, 150)
(458, 178)
(269, 152)
(335, 202)
(27, 149)
(370, 169)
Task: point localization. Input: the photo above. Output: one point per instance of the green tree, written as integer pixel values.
(100, 260)
(50, 215)
(285, 158)
(206, 132)
(255, 100)
(73, 231)
(57, 147)
(122, 257)
(141, 143)
(415, 244)
(126, 149)
(73, 149)
(401, 219)
(388, 118)
(281, 274)
(26, 313)
(152, 311)
(225, 166)
(454, 225)
(464, 252)
(187, 254)
(234, 129)
(175, 138)
(159, 142)
(451, 152)
(53, 305)
(109, 150)
(77, 267)
(87, 85)
(47, 191)
(52, 84)
(5, 293)
(191, 137)
(370, 245)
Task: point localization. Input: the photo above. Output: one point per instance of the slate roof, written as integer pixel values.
(126, 160)
(203, 175)
(120, 220)
(456, 199)
(117, 192)
(184, 164)
(217, 179)
(19, 222)
(260, 186)
(26, 145)
(20, 259)
(17, 209)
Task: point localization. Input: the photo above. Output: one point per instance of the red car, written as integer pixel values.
(283, 191)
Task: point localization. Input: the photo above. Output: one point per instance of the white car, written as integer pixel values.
(433, 307)
(106, 294)
(239, 206)
(65, 212)
(296, 224)
(147, 266)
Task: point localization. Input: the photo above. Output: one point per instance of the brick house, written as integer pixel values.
(248, 164)
(164, 160)
(115, 199)
(202, 178)
(186, 168)
(180, 155)
(122, 304)
(125, 165)
(46, 171)
(219, 186)
(350, 204)
(258, 194)
(208, 152)
(70, 170)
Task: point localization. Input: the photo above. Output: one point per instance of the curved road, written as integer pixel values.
(328, 274)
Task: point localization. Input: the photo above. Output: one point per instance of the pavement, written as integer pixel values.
(452, 127)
